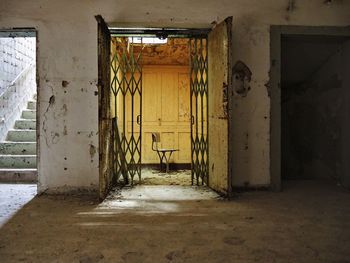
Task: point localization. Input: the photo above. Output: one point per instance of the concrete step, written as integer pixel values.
(31, 105)
(17, 161)
(28, 114)
(28, 175)
(18, 148)
(21, 135)
(25, 124)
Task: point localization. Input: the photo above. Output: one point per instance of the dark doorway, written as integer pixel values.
(314, 107)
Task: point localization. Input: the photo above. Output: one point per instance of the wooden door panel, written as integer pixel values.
(166, 109)
(220, 87)
(104, 94)
(151, 96)
(184, 97)
(184, 156)
(169, 94)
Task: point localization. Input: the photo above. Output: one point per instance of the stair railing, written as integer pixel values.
(14, 98)
(21, 74)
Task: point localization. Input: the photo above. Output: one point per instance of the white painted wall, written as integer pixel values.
(67, 35)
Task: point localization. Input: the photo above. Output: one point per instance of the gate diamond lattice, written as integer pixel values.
(126, 87)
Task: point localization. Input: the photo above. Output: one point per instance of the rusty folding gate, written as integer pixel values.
(120, 103)
(199, 110)
(126, 110)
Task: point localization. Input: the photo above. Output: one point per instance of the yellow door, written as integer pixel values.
(166, 109)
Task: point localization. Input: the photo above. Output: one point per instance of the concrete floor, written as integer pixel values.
(308, 222)
(173, 177)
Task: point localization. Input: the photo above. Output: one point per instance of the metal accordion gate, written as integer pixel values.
(199, 110)
(126, 110)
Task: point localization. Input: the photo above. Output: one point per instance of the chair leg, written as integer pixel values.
(167, 162)
(167, 167)
(160, 161)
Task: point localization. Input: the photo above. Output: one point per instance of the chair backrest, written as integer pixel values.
(155, 140)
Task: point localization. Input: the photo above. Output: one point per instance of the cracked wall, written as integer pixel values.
(67, 39)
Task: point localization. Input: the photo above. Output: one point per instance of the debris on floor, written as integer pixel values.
(173, 177)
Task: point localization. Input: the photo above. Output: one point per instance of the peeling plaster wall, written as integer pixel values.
(316, 120)
(67, 34)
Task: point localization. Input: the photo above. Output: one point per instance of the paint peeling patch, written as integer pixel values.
(65, 83)
(51, 102)
(92, 151)
(88, 134)
(55, 137)
(64, 109)
(65, 132)
(246, 141)
(93, 82)
(242, 76)
(268, 85)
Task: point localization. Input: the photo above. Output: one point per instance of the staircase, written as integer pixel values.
(18, 152)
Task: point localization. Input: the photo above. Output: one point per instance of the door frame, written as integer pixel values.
(31, 32)
(276, 33)
(188, 33)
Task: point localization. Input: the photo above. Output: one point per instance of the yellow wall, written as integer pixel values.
(166, 109)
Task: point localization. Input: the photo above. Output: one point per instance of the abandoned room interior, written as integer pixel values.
(201, 131)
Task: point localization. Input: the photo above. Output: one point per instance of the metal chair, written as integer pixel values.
(162, 153)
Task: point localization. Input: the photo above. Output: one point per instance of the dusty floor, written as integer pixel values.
(13, 197)
(308, 222)
(173, 177)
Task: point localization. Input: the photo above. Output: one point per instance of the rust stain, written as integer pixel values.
(225, 100)
(92, 151)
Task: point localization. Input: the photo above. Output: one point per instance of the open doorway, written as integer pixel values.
(126, 133)
(18, 106)
(309, 113)
(18, 125)
(159, 109)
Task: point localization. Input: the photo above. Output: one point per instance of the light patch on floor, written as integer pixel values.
(13, 197)
(158, 193)
(152, 199)
(168, 193)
